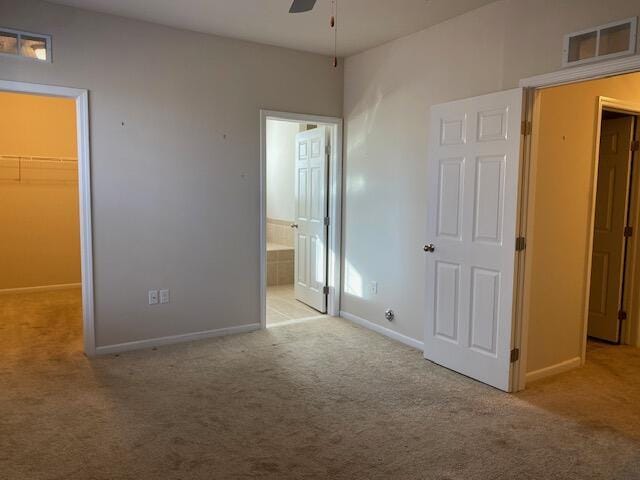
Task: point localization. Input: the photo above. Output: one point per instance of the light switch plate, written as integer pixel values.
(164, 296)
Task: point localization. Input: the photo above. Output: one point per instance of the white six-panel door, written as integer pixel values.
(310, 231)
(472, 185)
(609, 223)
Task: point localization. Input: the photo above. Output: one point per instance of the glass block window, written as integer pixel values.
(606, 41)
(23, 44)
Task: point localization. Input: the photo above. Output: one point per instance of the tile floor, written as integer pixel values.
(282, 306)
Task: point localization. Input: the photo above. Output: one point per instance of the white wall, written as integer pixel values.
(281, 159)
(175, 160)
(388, 93)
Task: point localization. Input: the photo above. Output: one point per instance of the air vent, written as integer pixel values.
(34, 46)
(614, 39)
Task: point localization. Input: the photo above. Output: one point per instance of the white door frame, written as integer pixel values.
(334, 255)
(81, 98)
(576, 74)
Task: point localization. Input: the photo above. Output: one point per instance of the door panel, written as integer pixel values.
(446, 300)
(311, 210)
(472, 184)
(450, 198)
(485, 295)
(609, 222)
(489, 196)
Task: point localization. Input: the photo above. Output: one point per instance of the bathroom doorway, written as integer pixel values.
(300, 193)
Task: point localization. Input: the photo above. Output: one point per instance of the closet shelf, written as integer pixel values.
(38, 169)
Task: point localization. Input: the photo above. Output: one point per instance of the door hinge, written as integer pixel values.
(521, 244)
(525, 127)
(635, 145)
(515, 355)
(327, 149)
(325, 290)
(622, 315)
(326, 221)
(628, 231)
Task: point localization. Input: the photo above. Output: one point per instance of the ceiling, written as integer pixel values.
(362, 24)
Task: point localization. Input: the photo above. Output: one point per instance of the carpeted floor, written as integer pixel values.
(322, 399)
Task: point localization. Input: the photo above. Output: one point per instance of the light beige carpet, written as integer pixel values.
(317, 400)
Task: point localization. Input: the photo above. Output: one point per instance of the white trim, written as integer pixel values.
(81, 98)
(186, 337)
(387, 332)
(335, 206)
(584, 72)
(554, 369)
(520, 325)
(40, 288)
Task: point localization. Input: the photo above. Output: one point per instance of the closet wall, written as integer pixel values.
(39, 240)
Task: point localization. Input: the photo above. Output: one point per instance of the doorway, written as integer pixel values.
(613, 227)
(300, 221)
(579, 215)
(47, 288)
(40, 245)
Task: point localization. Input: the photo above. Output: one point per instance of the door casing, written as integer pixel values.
(334, 253)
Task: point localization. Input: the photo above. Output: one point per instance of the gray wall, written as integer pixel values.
(388, 93)
(175, 189)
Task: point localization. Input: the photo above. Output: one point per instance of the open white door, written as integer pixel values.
(472, 185)
(609, 228)
(310, 274)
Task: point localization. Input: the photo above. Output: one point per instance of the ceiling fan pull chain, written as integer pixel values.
(334, 14)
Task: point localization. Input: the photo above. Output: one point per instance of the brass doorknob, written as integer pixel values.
(294, 225)
(429, 248)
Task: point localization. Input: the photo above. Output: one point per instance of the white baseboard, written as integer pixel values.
(387, 332)
(554, 369)
(41, 288)
(186, 337)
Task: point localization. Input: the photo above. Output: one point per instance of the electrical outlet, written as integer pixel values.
(153, 297)
(373, 287)
(164, 296)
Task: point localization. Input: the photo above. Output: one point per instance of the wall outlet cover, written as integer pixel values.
(153, 297)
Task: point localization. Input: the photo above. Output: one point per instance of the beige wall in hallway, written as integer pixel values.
(175, 159)
(564, 153)
(40, 243)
